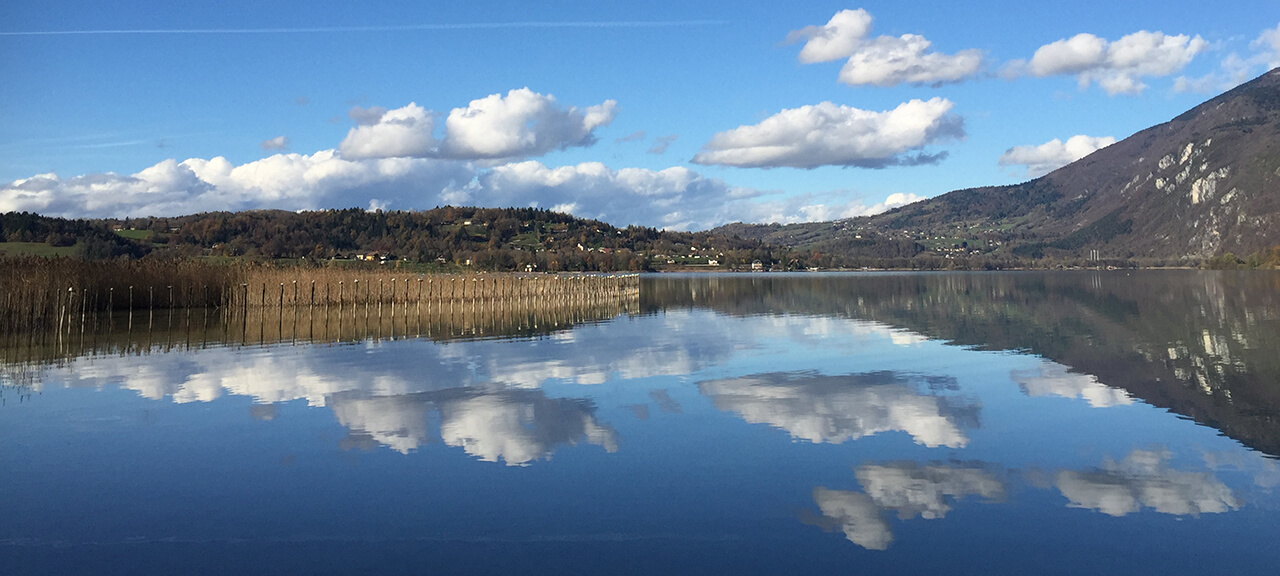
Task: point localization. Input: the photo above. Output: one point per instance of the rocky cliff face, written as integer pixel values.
(1205, 183)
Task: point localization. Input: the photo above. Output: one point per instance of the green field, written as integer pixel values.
(35, 249)
(136, 234)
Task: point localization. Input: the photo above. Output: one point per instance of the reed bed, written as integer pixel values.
(46, 293)
(181, 329)
(41, 294)
(286, 288)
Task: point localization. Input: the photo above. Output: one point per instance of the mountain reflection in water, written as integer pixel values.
(1203, 344)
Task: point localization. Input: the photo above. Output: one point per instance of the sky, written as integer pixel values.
(679, 115)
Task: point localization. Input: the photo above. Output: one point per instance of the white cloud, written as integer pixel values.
(1268, 46)
(839, 38)
(392, 159)
(834, 409)
(1143, 479)
(1236, 69)
(884, 60)
(809, 208)
(676, 197)
(277, 143)
(521, 124)
(831, 135)
(1115, 66)
(1054, 154)
(1233, 71)
(888, 61)
(403, 132)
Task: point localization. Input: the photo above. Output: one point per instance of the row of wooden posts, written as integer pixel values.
(162, 330)
(64, 310)
(436, 288)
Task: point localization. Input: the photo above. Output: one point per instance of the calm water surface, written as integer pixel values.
(1024, 423)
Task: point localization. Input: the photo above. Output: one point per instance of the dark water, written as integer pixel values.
(1026, 423)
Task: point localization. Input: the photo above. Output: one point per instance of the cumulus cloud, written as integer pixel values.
(277, 143)
(1054, 154)
(661, 143)
(837, 39)
(1118, 66)
(831, 135)
(1143, 479)
(884, 60)
(523, 123)
(834, 409)
(403, 132)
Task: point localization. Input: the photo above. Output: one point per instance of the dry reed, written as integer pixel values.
(41, 294)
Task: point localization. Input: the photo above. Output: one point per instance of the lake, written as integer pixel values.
(1109, 422)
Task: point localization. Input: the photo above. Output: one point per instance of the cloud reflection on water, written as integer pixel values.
(1053, 379)
(370, 385)
(906, 488)
(1142, 480)
(834, 409)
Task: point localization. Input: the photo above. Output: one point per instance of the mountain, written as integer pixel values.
(1201, 185)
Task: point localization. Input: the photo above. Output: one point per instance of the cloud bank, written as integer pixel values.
(884, 60)
(829, 135)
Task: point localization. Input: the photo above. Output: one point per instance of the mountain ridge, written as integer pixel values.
(1201, 185)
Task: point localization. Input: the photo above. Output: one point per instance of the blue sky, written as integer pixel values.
(670, 114)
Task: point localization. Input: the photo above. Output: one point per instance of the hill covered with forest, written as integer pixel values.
(442, 238)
